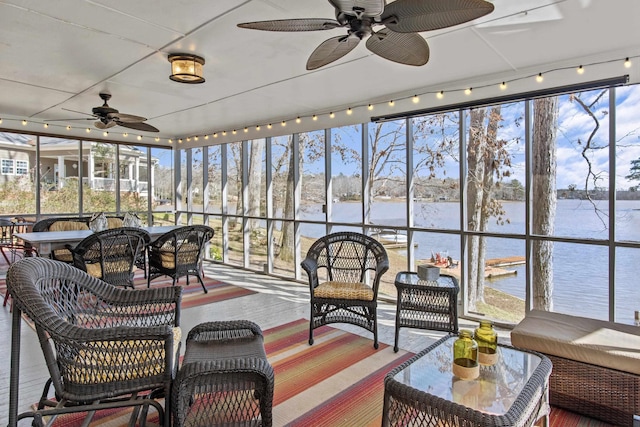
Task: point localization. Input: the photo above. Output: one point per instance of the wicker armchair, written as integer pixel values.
(344, 272)
(179, 253)
(104, 346)
(111, 255)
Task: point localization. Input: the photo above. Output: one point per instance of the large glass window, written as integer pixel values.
(346, 174)
(514, 199)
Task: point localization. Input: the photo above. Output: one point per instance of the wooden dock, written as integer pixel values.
(494, 267)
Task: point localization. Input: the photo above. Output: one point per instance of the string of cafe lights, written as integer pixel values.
(416, 99)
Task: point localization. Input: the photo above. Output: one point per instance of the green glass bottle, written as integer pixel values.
(487, 340)
(465, 356)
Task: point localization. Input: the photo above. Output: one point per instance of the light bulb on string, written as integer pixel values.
(298, 119)
(314, 118)
(580, 70)
(391, 103)
(349, 111)
(539, 78)
(416, 99)
(468, 90)
(440, 94)
(370, 107)
(246, 129)
(331, 115)
(627, 63)
(24, 123)
(503, 86)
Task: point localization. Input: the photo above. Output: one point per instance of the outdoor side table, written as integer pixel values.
(424, 392)
(426, 304)
(225, 378)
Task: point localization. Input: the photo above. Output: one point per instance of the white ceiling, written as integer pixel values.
(59, 55)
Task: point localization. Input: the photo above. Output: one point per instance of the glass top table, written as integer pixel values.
(514, 391)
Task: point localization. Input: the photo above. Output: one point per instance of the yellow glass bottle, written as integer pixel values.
(487, 340)
(465, 356)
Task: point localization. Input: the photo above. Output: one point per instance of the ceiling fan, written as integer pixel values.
(109, 117)
(398, 41)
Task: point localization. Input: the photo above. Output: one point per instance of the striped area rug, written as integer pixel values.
(336, 382)
(192, 295)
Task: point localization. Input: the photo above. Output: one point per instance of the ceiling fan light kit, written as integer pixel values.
(186, 68)
(398, 41)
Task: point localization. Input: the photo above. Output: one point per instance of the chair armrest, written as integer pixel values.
(310, 265)
(382, 267)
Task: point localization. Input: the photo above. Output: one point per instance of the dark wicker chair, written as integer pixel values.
(105, 347)
(344, 272)
(111, 255)
(11, 248)
(179, 253)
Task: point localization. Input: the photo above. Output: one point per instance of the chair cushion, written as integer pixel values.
(344, 290)
(114, 223)
(63, 255)
(68, 226)
(186, 254)
(93, 366)
(95, 269)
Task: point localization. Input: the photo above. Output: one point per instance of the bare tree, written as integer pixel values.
(255, 182)
(544, 163)
(488, 163)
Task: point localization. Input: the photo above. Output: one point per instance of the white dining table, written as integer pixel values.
(47, 241)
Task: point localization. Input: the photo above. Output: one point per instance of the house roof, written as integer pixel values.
(58, 56)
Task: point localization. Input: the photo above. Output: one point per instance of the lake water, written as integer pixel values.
(581, 272)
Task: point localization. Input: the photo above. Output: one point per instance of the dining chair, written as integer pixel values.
(105, 347)
(10, 247)
(111, 255)
(344, 271)
(179, 253)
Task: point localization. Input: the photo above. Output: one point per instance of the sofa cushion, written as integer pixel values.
(597, 342)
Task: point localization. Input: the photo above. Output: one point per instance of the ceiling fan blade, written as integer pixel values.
(126, 118)
(404, 48)
(309, 24)
(371, 8)
(331, 50)
(146, 127)
(414, 16)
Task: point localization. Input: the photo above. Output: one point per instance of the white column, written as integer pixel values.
(62, 173)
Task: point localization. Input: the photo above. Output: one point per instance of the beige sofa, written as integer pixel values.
(596, 364)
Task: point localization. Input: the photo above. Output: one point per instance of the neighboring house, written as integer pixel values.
(59, 164)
